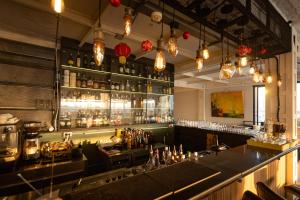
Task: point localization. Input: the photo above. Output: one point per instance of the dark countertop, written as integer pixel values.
(224, 168)
(39, 172)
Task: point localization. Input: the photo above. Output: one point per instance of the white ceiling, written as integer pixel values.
(35, 21)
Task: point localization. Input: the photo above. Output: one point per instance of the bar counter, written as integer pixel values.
(189, 179)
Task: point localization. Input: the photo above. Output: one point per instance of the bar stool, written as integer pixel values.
(266, 193)
(248, 195)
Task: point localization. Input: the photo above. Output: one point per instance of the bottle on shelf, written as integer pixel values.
(78, 61)
(83, 81)
(122, 86)
(139, 87)
(133, 71)
(70, 60)
(121, 69)
(90, 82)
(127, 69)
(85, 63)
(127, 86)
(78, 80)
(92, 62)
(149, 87)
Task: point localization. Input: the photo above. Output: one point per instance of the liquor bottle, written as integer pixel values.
(78, 80)
(78, 59)
(127, 87)
(127, 69)
(90, 82)
(157, 161)
(139, 86)
(85, 63)
(149, 87)
(70, 60)
(83, 81)
(121, 69)
(122, 86)
(133, 71)
(92, 62)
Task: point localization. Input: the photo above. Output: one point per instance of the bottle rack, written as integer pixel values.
(110, 98)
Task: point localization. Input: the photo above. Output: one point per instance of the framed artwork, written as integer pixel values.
(227, 104)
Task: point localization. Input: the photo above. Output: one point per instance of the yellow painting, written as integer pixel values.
(227, 104)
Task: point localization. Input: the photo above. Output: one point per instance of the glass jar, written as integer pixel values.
(90, 82)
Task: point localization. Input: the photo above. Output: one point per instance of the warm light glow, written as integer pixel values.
(160, 60)
(199, 63)
(205, 53)
(261, 77)
(279, 83)
(127, 24)
(173, 46)
(58, 5)
(199, 60)
(239, 70)
(269, 79)
(256, 77)
(99, 47)
(243, 61)
(251, 70)
(227, 69)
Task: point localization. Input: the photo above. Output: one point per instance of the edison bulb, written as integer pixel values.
(279, 83)
(127, 24)
(58, 5)
(98, 47)
(243, 61)
(205, 52)
(173, 46)
(269, 79)
(227, 70)
(261, 77)
(256, 77)
(251, 70)
(199, 63)
(160, 60)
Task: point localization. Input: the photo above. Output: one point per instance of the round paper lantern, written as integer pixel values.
(186, 35)
(146, 46)
(122, 50)
(115, 3)
(263, 51)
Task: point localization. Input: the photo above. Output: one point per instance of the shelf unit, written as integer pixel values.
(109, 107)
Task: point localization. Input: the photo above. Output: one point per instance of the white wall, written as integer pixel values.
(188, 104)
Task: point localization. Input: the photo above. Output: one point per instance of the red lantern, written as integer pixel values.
(263, 51)
(115, 3)
(186, 35)
(243, 50)
(146, 46)
(122, 50)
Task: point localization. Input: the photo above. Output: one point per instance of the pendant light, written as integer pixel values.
(205, 52)
(239, 69)
(227, 69)
(243, 60)
(172, 42)
(127, 21)
(58, 6)
(252, 69)
(269, 78)
(160, 59)
(279, 81)
(199, 58)
(99, 46)
(261, 76)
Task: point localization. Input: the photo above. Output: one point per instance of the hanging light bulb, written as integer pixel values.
(243, 61)
(160, 59)
(279, 82)
(205, 52)
(227, 69)
(127, 21)
(99, 46)
(239, 69)
(199, 60)
(172, 44)
(252, 69)
(58, 5)
(269, 79)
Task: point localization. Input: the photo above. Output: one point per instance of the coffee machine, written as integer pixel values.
(10, 144)
(31, 145)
